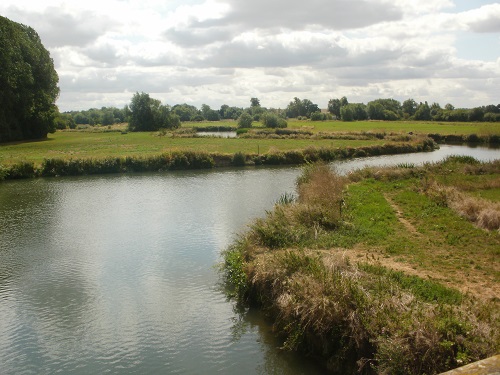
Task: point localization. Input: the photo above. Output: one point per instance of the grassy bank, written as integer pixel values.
(391, 271)
(96, 153)
(100, 145)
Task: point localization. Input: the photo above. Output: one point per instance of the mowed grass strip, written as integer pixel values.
(84, 145)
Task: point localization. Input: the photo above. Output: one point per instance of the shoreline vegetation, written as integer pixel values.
(387, 270)
(90, 150)
(294, 150)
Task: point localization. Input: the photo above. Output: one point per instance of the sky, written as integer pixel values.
(219, 52)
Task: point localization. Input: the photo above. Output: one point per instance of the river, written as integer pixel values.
(116, 274)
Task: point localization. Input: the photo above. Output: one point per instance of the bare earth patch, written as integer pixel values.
(469, 281)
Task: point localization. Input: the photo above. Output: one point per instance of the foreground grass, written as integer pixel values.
(378, 273)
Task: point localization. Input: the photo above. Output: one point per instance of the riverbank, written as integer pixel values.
(198, 159)
(389, 270)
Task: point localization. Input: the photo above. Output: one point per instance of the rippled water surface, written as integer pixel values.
(116, 274)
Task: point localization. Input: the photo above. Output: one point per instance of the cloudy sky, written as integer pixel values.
(226, 51)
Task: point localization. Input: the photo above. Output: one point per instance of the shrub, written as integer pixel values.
(20, 170)
(245, 120)
(198, 118)
(3, 173)
(270, 120)
(282, 123)
(318, 116)
(234, 275)
(239, 159)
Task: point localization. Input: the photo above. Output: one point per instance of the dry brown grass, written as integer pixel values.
(482, 212)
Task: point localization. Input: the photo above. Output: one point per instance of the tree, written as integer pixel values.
(205, 109)
(149, 114)
(423, 112)
(64, 121)
(271, 120)
(28, 84)
(375, 111)
(409, 107)
(227, 112)
(245, 120)
(299, 107)
(309, 107)
(346, 113)
(476, 114)
(254, 102)
(334, 107)
(185, 111)
(359, 110)
(212, 115)
(318, 116)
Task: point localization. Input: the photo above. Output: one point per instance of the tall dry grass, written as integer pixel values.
(482, 212)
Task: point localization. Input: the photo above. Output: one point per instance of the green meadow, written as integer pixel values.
(99, 145)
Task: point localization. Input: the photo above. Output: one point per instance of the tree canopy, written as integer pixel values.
(28, 84)
(148, 114)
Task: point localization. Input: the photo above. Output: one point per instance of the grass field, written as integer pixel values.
(84, 145)
(116, 142)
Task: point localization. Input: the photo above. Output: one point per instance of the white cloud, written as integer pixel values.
(226, 51)
(483, 20)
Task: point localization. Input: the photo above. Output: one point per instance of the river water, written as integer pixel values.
(115, 274)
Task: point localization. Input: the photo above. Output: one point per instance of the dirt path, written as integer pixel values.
(470, 281)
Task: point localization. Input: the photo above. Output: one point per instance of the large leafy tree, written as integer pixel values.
(28, 84)
(148, 114)
(299, 107)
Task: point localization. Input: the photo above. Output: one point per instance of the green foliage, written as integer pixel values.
(230, 113)
(275, 232)
(384, 109)
(460, 159)
(28, 84)
(147, 114)
(187, 112)
(346, 113)
(271, 120)
(234, 276)
(423, 112)
(318, 116)
(20, 170)
(239, 159)
(3, 172)
(245, 120)
(64, 121)
(299, 107)
(286, 198)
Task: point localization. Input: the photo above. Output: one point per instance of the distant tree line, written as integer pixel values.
(391, 110)
(146, 113)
